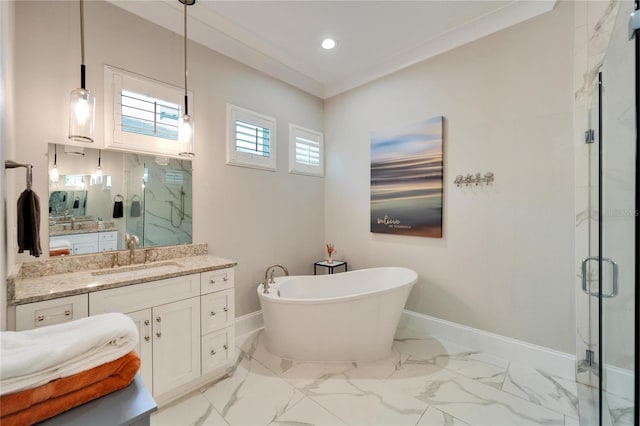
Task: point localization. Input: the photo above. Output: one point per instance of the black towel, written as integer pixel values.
(135, 208)
(76, 203)
(118, 209)
(29, 223)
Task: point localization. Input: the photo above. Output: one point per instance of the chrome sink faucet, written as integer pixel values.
(268, 275)
(131, 241)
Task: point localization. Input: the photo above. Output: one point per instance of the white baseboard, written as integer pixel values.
(544, 359)
(618, 381)
(248, 323)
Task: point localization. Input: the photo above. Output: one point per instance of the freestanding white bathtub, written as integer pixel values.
(350, 316)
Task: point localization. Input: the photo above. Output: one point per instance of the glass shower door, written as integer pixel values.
(615, 264)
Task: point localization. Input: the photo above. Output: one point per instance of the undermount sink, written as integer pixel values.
(134, 270)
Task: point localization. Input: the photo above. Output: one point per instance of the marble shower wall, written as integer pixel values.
(168, 217)
(165, 196)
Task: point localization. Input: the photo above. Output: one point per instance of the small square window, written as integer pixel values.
(251, 139)
(306, 151)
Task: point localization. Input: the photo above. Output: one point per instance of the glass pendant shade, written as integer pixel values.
(186, 136)
(54, 175)
(82, 115)
(97, 176)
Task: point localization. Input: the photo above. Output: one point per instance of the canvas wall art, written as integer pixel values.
(407, 179)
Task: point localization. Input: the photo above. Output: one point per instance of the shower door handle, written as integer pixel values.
(614, 278)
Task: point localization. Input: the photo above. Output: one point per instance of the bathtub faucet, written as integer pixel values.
(268, 278)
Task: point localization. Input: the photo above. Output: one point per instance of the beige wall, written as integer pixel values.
(7, 144)
(254, 217)
(505, 264)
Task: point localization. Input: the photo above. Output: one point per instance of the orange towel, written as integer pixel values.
(34, 405)
(59, 252)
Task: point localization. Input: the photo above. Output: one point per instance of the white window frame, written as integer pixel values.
(115, 80)
(295, 132)
(245, 159)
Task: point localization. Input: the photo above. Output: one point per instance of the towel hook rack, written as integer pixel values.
(8, 164)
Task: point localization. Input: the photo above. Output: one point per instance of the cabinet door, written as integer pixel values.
(144, 346)
(176, 344)
(84, 248)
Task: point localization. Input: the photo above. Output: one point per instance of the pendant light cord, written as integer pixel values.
(82, 29)
(186, 106)
(82, 66)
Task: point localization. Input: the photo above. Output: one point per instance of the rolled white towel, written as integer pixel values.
(34, 357)
(59, 244)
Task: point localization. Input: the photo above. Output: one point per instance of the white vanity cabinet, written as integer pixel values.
(91, 242)
(172, 308)
(80, 243)
(176, 326)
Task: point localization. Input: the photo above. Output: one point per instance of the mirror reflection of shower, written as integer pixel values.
(165, 200)
(180, 209)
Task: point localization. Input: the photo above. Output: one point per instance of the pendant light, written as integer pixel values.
(54, 175)
(186, 131)
(82, 107)
(98, 174)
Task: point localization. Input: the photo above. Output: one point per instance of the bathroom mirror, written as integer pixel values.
(148, 196)
(63, 204)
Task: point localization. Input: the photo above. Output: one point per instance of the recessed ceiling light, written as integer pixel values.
(328, 43)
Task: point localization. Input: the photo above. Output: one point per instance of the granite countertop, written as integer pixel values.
(48, 282)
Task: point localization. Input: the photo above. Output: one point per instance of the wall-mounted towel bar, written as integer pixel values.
(476, 179)
(8, 164)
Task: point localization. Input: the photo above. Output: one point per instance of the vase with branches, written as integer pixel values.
(330, 250)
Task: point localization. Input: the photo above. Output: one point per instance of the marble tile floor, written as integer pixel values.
(425, 381)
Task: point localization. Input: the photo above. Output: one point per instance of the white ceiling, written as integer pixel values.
(374, 38)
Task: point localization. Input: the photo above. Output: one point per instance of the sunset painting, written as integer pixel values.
(406, 180)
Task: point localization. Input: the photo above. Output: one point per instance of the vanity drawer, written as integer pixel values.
(218, 350)
(108, 236)
(108, 241)
(136, 297)
(50, 312)
(216, 280)
(107, 246)
(217, 311)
